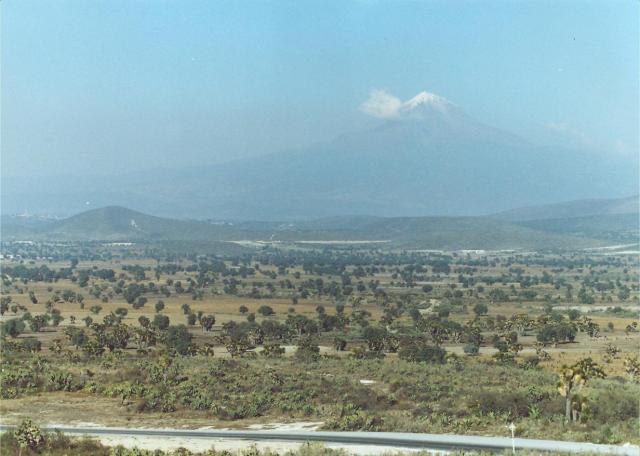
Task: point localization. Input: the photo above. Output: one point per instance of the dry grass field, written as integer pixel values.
(375, 289)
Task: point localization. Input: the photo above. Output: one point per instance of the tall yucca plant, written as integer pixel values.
(572, 378)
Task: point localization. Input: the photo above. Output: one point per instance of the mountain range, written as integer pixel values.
(584, 229)
(430, 159)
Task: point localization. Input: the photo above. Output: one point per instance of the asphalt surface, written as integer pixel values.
(387, 439)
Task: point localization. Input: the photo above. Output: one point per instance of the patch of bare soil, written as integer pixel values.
(80, 409)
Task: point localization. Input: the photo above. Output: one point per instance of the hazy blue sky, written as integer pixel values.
(102, 86)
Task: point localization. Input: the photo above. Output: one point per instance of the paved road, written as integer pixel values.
(389, 439)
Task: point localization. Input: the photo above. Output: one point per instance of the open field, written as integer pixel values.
(439, 342)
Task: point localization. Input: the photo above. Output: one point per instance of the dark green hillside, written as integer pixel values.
(450, 233)
(115, 223)
(571, 209)
(121, 224)
(614, 227)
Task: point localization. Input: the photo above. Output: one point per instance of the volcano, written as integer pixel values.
(428, 158)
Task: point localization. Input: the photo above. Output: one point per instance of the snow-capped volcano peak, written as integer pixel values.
(426, 101)
(383, 105)
(427, 98)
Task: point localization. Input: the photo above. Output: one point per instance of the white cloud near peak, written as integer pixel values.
(382, 105)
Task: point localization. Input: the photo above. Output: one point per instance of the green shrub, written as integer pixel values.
(179, 339)
(615, 403)
(514, 403)
(272, 350)
(12, 328)
(471, 349)
(307, 349)
(161, 321)
(418, 350)
(62, 381)
(54, 444)
(351, 418)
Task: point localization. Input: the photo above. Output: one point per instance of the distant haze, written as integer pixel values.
(426, 156)
(280, 110)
